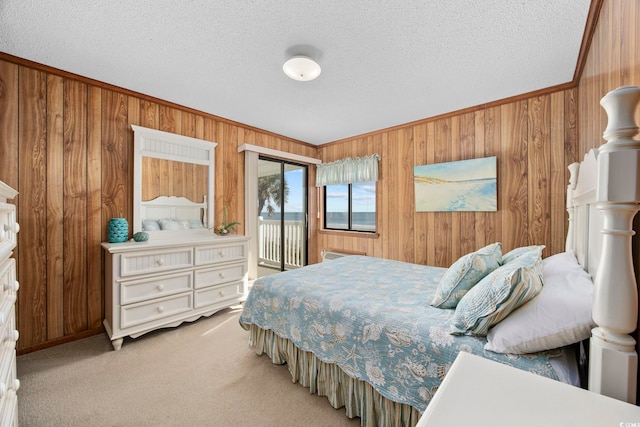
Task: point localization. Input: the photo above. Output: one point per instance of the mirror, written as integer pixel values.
(172, 184)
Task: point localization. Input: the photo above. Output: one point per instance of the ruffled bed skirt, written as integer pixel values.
(358, 397)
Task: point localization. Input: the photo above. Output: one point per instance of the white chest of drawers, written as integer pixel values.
(162, 283)
(9, 383)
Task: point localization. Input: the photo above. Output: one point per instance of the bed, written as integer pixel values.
(378, 336)
(171, 213)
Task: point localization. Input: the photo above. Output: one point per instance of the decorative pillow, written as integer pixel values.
(465, 273)
(150, 225)
(194, 223)
(559, 316)
(183, 224)
(515, 253)
(497, 295)
(169, 224)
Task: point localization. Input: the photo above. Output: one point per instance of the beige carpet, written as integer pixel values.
(199, 374)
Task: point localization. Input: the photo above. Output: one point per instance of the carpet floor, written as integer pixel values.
(198, 374)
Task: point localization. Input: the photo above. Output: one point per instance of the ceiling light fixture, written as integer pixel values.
(301, 68)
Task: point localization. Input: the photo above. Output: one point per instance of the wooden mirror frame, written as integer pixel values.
(151, 143)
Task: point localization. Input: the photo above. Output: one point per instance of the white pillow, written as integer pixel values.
(559, 316)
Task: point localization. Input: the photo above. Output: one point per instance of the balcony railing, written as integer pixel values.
(270, 243)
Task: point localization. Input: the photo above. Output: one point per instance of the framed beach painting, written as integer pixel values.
(465, 185)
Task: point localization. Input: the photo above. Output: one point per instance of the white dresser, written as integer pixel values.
(162, 283)
(9, 383)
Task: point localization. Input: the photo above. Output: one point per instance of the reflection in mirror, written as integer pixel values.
(161, 177)
(173, 184)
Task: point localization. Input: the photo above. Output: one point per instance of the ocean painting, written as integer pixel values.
(465, 185)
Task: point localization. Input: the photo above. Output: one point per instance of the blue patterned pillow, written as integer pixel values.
(169, 224)
(150, 225)
(465, 273)
(524, 250)
(497, 295)
(194, 223)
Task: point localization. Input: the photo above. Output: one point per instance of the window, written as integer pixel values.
(350, 207)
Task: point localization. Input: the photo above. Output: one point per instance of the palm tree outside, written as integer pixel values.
(269, 193)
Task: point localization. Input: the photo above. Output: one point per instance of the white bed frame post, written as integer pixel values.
(613, 359)
(573, 180)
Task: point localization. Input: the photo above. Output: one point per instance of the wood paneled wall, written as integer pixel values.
(613, 60)
(66, 145)
(534, 140)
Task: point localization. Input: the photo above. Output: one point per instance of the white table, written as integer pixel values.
(479, 392)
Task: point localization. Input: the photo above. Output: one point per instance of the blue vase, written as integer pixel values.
(118, 230)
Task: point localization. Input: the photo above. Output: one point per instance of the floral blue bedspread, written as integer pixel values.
(372, 317)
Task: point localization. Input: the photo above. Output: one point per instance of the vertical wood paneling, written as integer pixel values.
(442, 220)
(492, 126)
(482, 219)
(33, 188)
(406, 196)
(514, 173)
(115, 158)
(538, 165)
(75, 207)
(420, 218)
(467, 151)
(430, 227)
(613, 60)
(9, 121)
(95, 221)
(557, 199)
(55, 207)
(456, 237)
(149, 114)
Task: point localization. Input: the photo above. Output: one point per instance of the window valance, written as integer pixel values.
(347, 171)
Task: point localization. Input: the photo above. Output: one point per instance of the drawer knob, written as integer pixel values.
(221, 254)
(12, 337)
(15, 384)
(12, 228)
(221, 293)
(160, 287)
(160, 309)
(160, 262)
(221, 275)
(11, 286)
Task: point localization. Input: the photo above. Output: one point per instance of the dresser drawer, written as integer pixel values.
(8, 332)
(8, 282)
(9, 405)
(160, 286)
(219, 275)
(8, 229)
(135, 314)
(220, 253)
(136, 263)
(216, 294)
(9, 386)
(7, 315)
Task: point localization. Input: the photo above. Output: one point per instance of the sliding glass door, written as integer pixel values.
(282, 216)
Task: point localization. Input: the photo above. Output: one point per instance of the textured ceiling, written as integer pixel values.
(384, 62)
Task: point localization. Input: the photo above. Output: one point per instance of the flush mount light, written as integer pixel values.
(301, 68)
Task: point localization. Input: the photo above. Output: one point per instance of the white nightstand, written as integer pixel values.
(479, 392)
